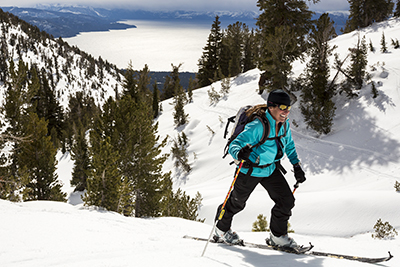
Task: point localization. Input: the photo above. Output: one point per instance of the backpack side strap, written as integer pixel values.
(231, 119)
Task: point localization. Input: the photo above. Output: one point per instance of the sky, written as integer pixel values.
(197, 5)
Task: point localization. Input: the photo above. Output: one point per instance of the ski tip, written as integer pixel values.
(390, 255)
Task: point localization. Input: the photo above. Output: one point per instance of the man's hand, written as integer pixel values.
(244, 153)
(299, 173)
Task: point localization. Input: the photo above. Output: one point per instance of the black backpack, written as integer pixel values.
(245, 115)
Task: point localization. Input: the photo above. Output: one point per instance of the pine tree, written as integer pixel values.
(249, 50)
(103, 183)
(374, 91)
(283, 26)
(16, 107)
(225, 86)
(172, 84)
(179, 152)
(156, 94)
(37, 160)
(141, 162)
(191, 87)
(180, 117)
(130, 83)
(356, 72)
(134, 135)
(16, 98)
(48, 107)
(234, 39)
(81, 157)
(224, 60)
(3, 58)
(209, 61)
(317, 106)
(261, 224)
(180, 98)
(355, 20)
(365, 12)
(143, 85)
(81, 112)
(397, 9)
(383, 43)
(182, 206)
(168, 89)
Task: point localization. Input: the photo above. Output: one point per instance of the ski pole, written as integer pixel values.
(221, 213)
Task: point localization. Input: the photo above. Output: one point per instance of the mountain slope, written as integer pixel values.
(350, 177)
(69, 69)
(357, 162)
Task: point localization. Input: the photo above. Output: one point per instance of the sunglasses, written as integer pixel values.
(284, 107)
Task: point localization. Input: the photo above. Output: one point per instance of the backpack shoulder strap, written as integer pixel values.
(265, 123)
(285, 130)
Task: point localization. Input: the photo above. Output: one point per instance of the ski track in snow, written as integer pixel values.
(330, 157)
(340, 146)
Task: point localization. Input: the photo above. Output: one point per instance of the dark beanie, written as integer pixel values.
(278, 96)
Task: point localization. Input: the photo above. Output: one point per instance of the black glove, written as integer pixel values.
(299, 173)
(244, 153)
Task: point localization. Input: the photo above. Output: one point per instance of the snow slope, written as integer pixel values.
(350, 185)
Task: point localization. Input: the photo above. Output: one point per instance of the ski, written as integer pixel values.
(241, 243)
(354, 258)
(300, 250)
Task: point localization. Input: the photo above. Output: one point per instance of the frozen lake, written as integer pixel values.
(155, 43)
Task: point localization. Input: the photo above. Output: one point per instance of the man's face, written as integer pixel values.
(278, 114)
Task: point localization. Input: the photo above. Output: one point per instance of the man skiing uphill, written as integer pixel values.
(262, 166)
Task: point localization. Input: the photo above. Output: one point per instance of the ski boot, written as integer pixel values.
(281, 241)
(229, 237)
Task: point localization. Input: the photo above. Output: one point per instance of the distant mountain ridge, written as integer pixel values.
(65, 24)
(68, 21)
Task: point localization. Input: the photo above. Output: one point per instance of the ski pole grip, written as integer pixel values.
(296, 185)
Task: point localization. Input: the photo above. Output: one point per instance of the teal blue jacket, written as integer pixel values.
(265, 153)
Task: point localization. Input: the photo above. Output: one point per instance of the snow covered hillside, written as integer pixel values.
(68, 68)
(350, 185)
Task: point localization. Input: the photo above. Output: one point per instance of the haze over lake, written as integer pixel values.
(155, 43)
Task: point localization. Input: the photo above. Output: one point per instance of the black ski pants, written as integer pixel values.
(278, 190)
